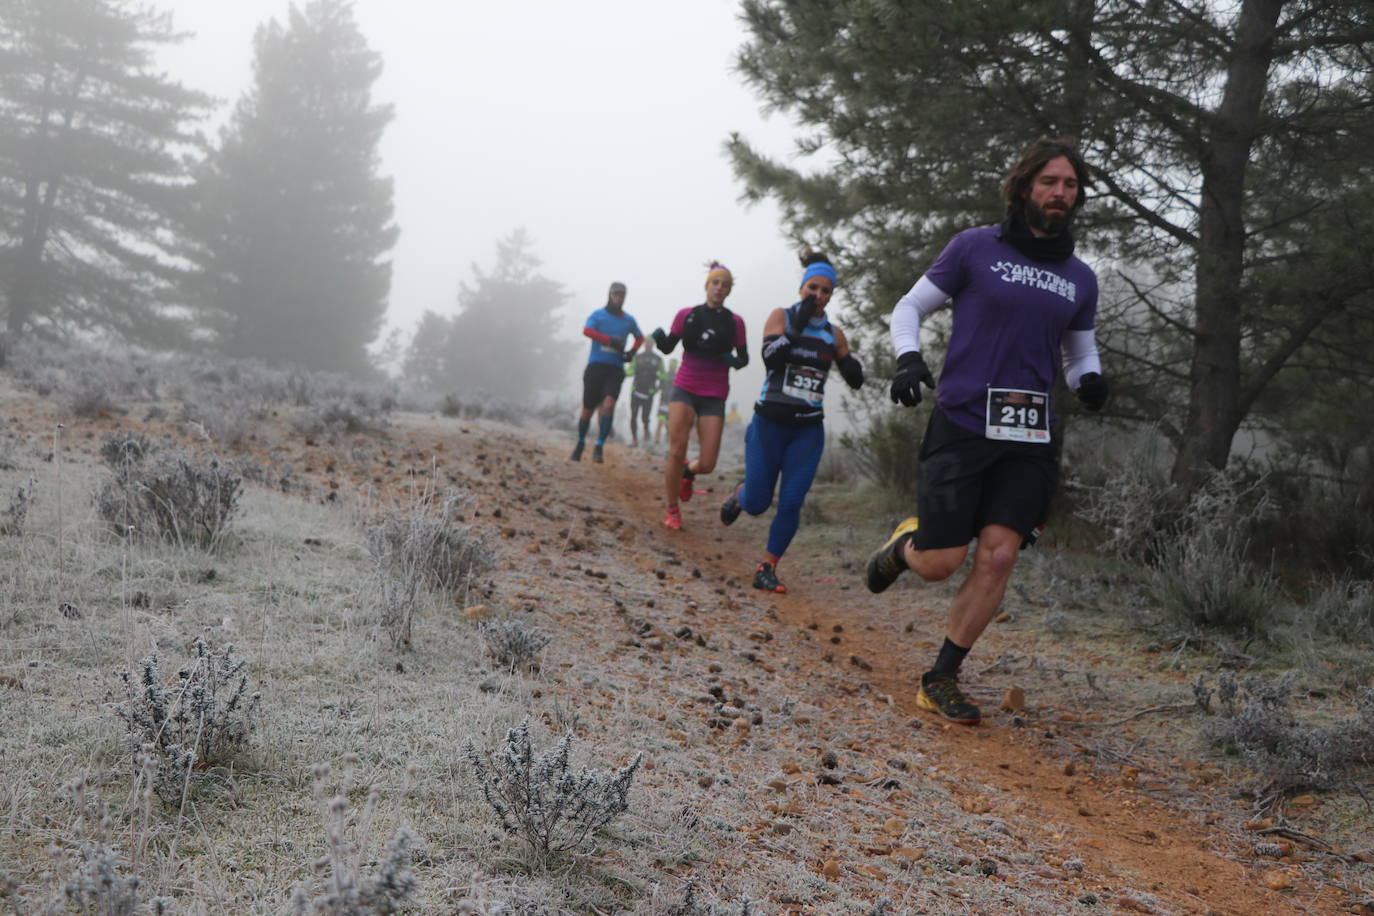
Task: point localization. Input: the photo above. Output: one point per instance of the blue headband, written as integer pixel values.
(818, 269)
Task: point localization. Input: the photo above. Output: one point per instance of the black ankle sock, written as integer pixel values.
(950, 658)
(900, 552)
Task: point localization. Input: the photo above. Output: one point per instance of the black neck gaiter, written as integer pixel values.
(1053, 248)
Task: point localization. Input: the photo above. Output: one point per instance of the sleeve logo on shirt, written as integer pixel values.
(1038, 277)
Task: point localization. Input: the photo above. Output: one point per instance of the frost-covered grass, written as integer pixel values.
(353, 777)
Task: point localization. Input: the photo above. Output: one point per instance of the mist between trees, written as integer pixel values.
(1229, 217)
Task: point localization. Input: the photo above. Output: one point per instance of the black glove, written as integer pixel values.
(805, 312)
(627, 357)
(738, 360)
(1093, 391)
(660, 339)
(906, 384)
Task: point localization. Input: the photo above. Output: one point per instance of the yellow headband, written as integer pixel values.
(722, 269)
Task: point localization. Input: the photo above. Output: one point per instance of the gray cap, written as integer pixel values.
(617, 287)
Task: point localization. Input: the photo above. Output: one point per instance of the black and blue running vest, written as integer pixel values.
(795, 393)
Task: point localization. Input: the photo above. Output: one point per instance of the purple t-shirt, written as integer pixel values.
(702, 375)
(1010, 315)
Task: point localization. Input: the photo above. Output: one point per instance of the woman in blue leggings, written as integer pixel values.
(787, 435)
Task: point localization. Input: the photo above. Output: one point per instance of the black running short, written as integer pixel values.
(601, 381)
(704, 406)
(967, 482)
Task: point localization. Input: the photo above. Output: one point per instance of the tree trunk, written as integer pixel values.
(40, 201)
(28, 262)
(1214, 409)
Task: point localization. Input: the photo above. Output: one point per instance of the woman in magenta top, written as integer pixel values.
(709, 332)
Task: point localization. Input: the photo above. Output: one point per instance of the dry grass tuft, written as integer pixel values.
(348, 890)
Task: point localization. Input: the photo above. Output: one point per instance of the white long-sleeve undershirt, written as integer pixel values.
(1079, 347)
(1080, 356)
(922, 299)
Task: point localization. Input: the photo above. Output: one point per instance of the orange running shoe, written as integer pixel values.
(672, 519)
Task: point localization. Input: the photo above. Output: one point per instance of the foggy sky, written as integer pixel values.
(597, 126)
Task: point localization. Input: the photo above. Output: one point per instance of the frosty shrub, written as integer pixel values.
(514, 646)
(13, 516)
(347, 890)
(348, 417)
(1343, 608)
(340, 415)
(1252, 719)
(228, 421)
(550, 807)
(1136, 508)
(1195, 547)
(166, 492)
(201, 718)
(90, 395)
(123, 448)
(483, 405)
(426, 544)
(1203, 580)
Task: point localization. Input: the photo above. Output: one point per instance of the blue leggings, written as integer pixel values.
(771, 449)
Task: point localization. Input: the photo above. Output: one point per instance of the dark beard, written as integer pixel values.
(1050, 224)
(1016, 233)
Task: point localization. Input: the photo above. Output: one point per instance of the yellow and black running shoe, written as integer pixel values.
(887, 564)
(941, 695)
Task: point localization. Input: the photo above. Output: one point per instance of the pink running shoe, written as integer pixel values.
(688, 485)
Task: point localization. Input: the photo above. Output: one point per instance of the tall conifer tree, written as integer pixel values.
(1230, 146)
(296, 219)
(94, 143)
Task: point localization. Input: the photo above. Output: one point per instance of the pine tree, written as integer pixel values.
(94, 146)
(504, 339)
(1229, 142)
(296, 221)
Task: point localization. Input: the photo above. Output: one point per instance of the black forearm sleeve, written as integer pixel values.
(852, 371)
(775, 350)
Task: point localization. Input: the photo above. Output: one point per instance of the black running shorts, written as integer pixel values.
(967, 482)
(704, 406)
(601, 381)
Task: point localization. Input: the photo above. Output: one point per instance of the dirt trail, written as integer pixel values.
(583, 544)
(1119, 830)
